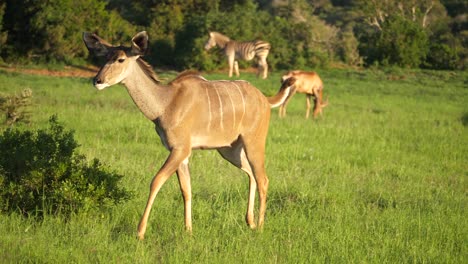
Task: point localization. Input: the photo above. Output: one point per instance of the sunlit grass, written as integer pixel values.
(379, 178)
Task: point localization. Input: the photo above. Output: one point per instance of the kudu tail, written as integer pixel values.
(283, 93)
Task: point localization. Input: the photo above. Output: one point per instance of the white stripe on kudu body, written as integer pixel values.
(221, 110)
(192, 113)
(243, 102)
(209, 108)
(228, 91)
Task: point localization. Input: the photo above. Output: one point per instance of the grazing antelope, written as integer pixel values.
(308, 83)
(193, 113)
(241, 50)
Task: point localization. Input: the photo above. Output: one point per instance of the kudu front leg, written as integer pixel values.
(176, 157)
(249, 216)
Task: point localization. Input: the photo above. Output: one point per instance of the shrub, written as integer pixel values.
(40, 173)
(401, 42)
(442, 56)
(15, 107)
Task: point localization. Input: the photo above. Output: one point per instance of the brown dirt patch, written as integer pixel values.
(67, 71)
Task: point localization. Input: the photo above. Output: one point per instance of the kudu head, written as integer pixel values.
(120, 59)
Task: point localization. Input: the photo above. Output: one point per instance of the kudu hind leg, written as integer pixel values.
(236, 156)
(183, 174)
(255, 152)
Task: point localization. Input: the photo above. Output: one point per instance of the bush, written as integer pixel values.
(401, 42)
(15, 107)
(442, 57)
(40, 173)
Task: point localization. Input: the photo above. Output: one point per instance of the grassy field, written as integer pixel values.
(379, 178)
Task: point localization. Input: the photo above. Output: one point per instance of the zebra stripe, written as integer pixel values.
(242, 50)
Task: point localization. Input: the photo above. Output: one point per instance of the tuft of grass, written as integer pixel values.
(378, 178)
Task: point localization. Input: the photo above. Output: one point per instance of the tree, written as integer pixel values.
(401, 43)
(3, 34)
(349, 47)
(51, 31)
(303, 33)
(312, 41)
(377, 11)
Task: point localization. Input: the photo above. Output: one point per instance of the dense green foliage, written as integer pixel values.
(41, 173)
(379, 178)
(304, 34)
(44, 31)
(15, 107)
(400, 43)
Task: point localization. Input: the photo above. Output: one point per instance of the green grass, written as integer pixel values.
(379, 178)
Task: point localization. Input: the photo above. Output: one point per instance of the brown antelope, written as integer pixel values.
(193, 113)
(308, 83)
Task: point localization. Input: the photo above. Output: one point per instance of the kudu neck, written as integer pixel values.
(151, 97)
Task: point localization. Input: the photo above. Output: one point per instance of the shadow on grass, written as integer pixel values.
(464, 119)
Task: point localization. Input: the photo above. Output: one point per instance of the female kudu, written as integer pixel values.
(193, 113)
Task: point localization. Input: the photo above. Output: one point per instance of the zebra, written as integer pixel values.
(241, 50)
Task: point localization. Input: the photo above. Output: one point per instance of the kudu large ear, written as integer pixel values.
(140, 43)
(95, 44)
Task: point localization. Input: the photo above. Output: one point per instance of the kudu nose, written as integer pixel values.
(97, 81)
